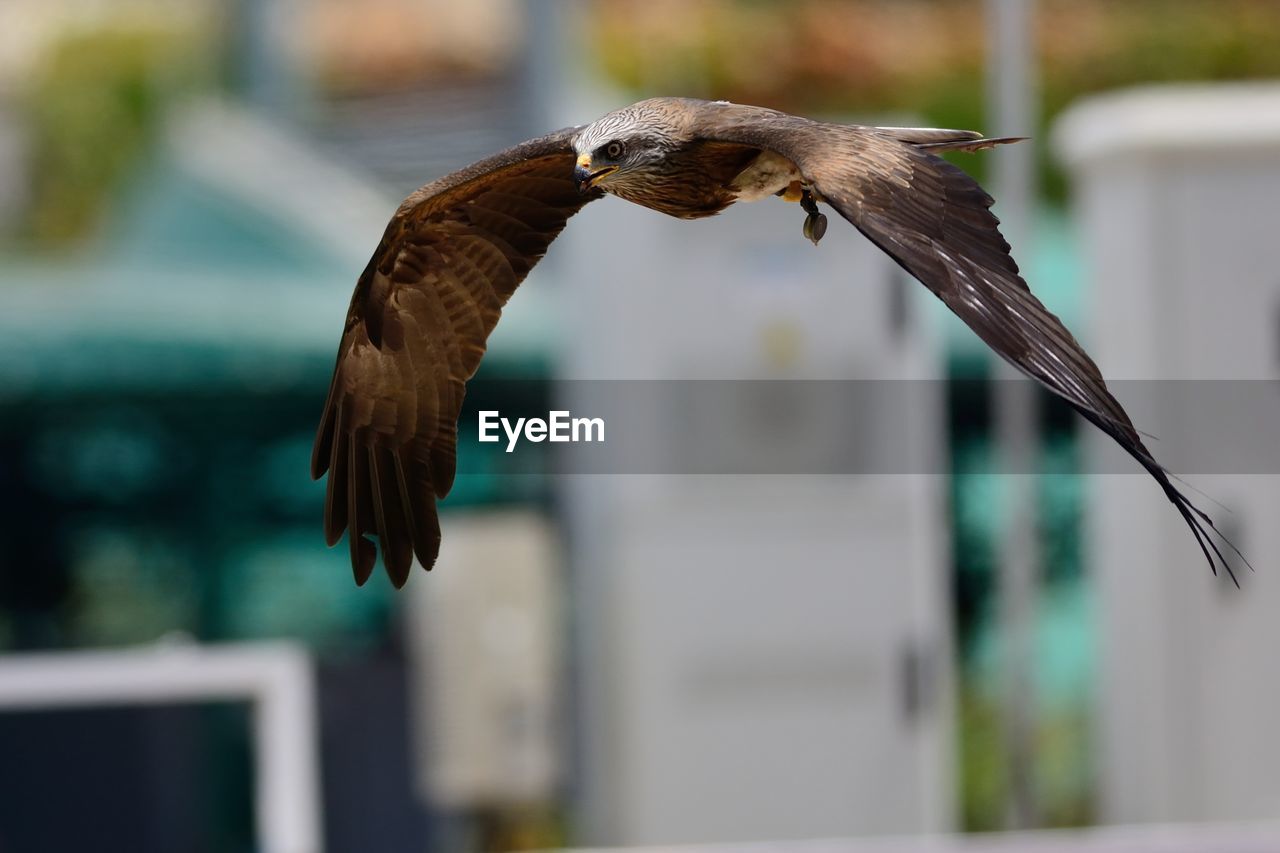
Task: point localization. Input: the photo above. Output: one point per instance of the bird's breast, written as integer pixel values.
(701, 179)
(686, 194)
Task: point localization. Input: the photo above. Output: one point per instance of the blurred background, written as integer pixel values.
(188, 191)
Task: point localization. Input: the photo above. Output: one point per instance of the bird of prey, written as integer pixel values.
(455, 251)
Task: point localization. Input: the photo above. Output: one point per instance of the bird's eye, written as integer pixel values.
(614, 150)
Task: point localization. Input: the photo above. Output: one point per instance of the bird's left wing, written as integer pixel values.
(935, 221)
(419, 320)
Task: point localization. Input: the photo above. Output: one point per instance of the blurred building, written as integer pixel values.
(763, 635)
(620, 653)
(1177, 196)
(158, 396)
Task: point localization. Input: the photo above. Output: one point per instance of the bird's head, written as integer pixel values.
(624, 146)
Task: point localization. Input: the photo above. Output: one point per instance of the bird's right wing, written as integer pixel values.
(419, 320)
(935, 221)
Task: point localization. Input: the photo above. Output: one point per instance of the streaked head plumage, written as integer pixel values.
(626, 143)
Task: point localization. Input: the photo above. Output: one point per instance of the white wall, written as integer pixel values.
(743, 637)
(1177, 197)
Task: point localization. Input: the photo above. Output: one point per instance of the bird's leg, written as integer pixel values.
(807, 202)
(815, 223)
(792, 192)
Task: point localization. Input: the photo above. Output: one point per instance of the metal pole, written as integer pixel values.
(1011, 99)
(265, 73)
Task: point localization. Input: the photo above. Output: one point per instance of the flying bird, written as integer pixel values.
(455, 251)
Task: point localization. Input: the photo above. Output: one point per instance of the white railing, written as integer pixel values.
(275, 678)
(1157, 838)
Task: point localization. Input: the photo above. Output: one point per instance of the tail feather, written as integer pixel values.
(935, 139)
(929, 135)
(970, 144)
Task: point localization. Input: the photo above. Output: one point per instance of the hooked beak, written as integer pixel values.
(585, 178)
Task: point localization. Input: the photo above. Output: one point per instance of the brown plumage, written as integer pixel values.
(457, 248)
(452, 255)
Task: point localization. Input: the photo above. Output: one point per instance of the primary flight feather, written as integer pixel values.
(456, 250)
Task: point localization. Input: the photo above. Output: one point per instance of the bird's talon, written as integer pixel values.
(808, 204)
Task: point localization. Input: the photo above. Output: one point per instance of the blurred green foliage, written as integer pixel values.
(92, 107)
(1062, 771)
(1065, 654)
(925, 58)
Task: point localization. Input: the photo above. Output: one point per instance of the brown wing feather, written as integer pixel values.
(416, 330)
(934, 220)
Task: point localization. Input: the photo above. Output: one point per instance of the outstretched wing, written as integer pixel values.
(422, 312)
(934, 220)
